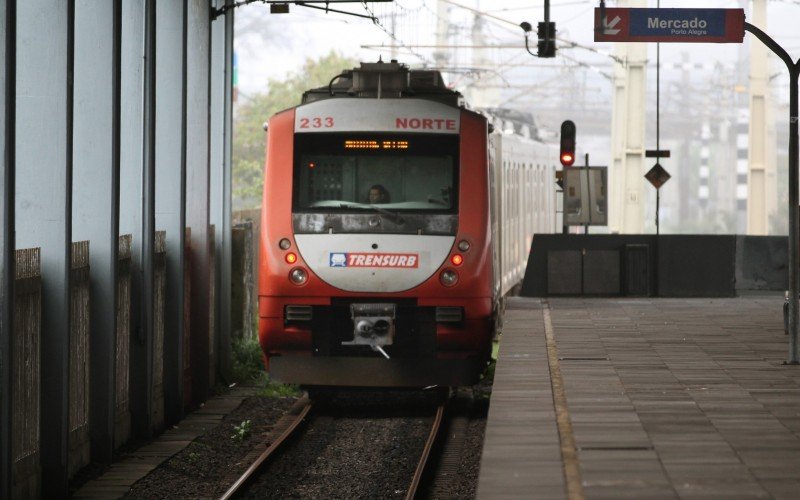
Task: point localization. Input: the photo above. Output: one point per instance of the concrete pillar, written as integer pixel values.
(96, 200)
(131, 195)
(7, 104)
(197, 189)
(221, 95)
(626, 176)
(170, 190)
(132, 91)
(43, 146)
(762, 196)
(143, 362)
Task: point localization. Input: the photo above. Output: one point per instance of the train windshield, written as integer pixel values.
(364, 172)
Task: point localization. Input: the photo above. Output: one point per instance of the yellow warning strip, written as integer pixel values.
(569, 453)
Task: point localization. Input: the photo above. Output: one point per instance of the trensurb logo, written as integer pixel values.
(338, 260)
(372, 259)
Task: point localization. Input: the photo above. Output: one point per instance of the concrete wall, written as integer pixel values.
(197, 188)
(43, 204)
(762, 263)
(170, 188)
(106, 130)
(95, 213)
(672, 266)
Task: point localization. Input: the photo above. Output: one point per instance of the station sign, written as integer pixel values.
(669, 25)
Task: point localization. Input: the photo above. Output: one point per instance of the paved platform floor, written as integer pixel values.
(643, 398)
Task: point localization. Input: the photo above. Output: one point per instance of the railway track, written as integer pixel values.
(422, 466)
(301, 415)
(284, 429)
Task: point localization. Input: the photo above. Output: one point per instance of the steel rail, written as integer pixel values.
(423, 461)
(271, 449)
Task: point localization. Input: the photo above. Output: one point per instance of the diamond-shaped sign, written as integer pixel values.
(657, 176)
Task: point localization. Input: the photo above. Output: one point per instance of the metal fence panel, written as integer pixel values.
(122, 419)
(187, 319)
(159, 287)
(212, 309)
(79, 444)
(26, 377)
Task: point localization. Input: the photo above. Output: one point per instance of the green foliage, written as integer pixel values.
(248, 363)
(270, 389)
(242, 431)
(249, 139)
(248, 367)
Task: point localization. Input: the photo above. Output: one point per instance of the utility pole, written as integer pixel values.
(627, 136)
(761, 187)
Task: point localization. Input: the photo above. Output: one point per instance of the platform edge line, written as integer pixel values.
(569, 452)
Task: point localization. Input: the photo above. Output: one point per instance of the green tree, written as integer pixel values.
(249, 139)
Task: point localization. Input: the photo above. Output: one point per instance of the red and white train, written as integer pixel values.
(393, 223)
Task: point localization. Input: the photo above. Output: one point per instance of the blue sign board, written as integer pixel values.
(669, 25)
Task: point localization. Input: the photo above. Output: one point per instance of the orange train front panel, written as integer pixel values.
(375, 236)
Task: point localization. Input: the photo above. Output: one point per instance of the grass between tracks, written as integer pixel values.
(248, 368)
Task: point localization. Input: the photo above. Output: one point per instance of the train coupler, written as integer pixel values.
(373, 325)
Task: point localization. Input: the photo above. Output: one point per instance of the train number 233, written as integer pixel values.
(318, 122)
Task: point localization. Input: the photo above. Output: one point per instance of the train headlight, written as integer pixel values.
(298, 276)
(291, 258)
(457, 259)
(463, 245)
(448, 277)
(285, 244)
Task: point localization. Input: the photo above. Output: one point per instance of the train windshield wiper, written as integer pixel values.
(392, 216)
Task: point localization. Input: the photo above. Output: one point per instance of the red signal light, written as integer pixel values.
(291, 257)
(457, 259)
(567, 143)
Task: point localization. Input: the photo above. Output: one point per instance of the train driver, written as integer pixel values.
(378, 194)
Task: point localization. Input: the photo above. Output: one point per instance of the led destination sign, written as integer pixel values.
(374, 144)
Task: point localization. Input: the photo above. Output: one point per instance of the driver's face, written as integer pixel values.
(375, 196)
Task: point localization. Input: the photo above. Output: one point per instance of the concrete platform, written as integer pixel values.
(643, 398)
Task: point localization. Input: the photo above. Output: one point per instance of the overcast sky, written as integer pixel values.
(573, 85)
(272, 45)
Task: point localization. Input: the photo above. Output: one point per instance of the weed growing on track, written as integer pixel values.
(242, 431)
(248, 368)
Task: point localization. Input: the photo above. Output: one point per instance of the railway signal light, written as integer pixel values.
(547, 39)
(567, 155)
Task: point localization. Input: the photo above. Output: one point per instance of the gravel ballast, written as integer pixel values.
(371, 456)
